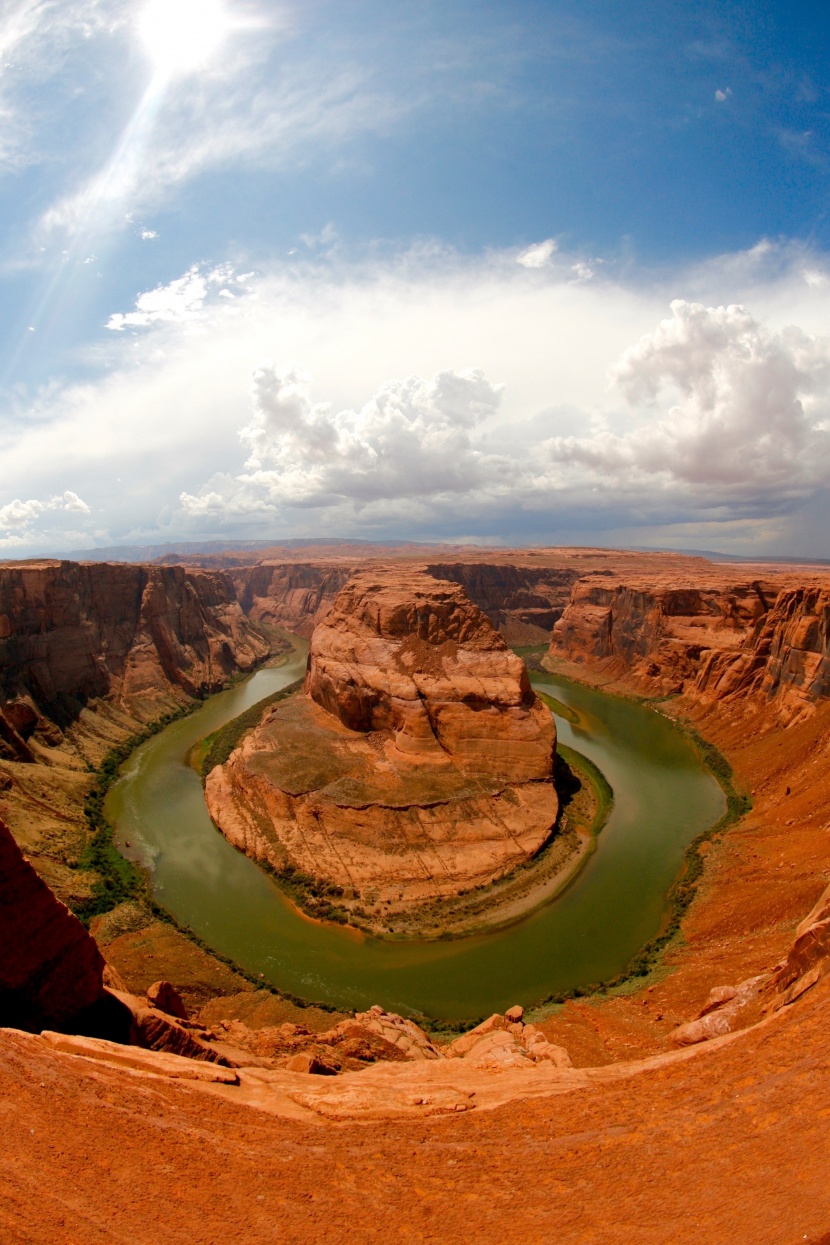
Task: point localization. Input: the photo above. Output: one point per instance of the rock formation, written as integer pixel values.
(51, 971)
(522, 602)
(413, 657)
(70, 633)
(711, 637)
(292, 595)
(419, 761)
(89, 653)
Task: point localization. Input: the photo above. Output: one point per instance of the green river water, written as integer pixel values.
(663, 797)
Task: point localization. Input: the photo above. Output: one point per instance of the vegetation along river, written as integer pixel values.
(664, 796)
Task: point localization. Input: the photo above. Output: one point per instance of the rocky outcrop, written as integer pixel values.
(522, 602)
(51, 971)
(786, 657)
(659, 633)
(413, 657)
(419, 761)
(712, 638)
(89, 654)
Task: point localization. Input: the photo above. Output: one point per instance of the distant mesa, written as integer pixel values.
(417, 762)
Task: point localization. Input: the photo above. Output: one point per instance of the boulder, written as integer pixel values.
(166, 998)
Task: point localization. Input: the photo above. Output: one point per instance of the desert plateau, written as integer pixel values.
(414, 760)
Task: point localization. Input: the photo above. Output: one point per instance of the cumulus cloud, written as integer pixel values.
(716, 415)
(178, 301)
(412, 439)
(537, 256)
(17, 518)
(736, 412)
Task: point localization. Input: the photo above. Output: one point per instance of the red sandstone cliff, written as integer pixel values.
(137, 636)
(411, 655)
(522, 601)
(292, 595)
(88, 654)
(710, 637)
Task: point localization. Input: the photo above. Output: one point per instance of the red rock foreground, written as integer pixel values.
(725, 1143)
(418, 762)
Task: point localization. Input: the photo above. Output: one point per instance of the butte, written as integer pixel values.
(416, 764)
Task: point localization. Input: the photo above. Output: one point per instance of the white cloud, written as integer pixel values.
(179, 301)
(737, 419)
(18, 519)
(411, 440)
(672, 442)
(537, 256)
(721, 96)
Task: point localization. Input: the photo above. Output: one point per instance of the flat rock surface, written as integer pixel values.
(725, 1143)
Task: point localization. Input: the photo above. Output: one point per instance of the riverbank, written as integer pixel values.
(586, 801)
(751, 885)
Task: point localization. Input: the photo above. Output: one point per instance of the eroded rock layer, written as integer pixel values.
(89, 654)
(711, 637)
(414, 657)
(418, 762)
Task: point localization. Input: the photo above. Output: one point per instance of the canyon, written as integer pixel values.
(711, 1077)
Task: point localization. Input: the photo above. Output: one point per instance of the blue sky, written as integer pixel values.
(510, 272)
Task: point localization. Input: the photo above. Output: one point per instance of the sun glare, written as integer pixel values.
(181, 35)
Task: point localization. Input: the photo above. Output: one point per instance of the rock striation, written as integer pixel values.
(293, 595)
(418, 762)
(413, 657)
(89, 654)
(71, 633)
(711, 637)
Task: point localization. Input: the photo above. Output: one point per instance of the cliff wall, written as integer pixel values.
(293, 595)
(88, 654)
(712, 638)
(522, 602)
(72, 633)
(51, 971)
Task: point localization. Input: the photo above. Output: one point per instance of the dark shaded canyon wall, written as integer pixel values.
(710, 640)
(523, 603)
(292, 595)
(75, 632)
(51, 971)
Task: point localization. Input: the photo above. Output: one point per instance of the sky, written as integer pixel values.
(525, 272)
